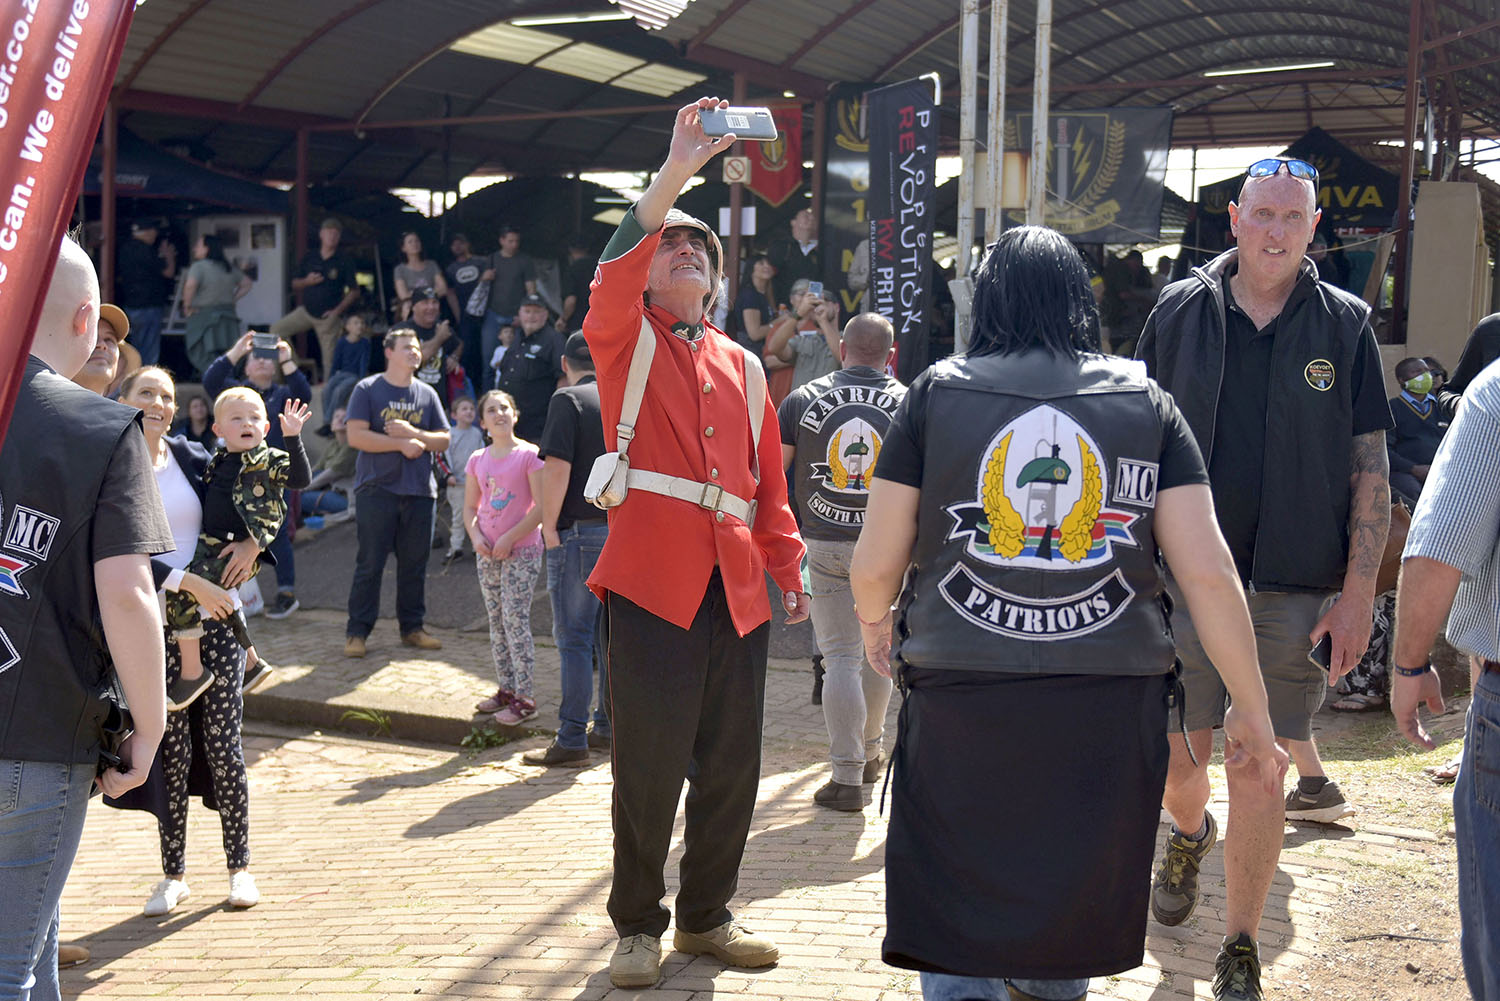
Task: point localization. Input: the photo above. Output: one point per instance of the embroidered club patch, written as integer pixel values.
(1319, 374)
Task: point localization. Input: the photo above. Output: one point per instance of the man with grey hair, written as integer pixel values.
(832, 429)
(81, 518)
(1279, 378)
(683, 572)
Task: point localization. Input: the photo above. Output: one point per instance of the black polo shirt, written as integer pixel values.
(338, 279)
(529, 372)
(575, 434)
(1236, 466)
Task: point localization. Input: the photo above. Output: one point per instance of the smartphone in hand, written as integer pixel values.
(264, 346)
(1322, 652)
(754, 124)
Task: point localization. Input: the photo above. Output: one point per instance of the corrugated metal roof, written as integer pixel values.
(240, 77)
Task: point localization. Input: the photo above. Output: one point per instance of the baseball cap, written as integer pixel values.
(145, 223)
(331, 223)
(576, 348)
(535, 300)
(425, 292)
(115, 317)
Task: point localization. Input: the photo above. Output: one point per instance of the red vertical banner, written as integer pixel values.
(776, 167)
(57, 64)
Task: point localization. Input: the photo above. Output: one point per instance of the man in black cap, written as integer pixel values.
(145, 275)
(532, 367)
(442, 350)
(574, 531)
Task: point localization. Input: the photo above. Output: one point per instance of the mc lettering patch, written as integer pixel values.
(31, 532)
(1043, 620)
(1135, 482)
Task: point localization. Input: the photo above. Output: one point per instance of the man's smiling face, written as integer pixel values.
(1274, 222)
(681, 262)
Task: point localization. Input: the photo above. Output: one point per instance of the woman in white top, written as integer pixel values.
(210, 728)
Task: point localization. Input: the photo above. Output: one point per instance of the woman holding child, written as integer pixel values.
(209, 729)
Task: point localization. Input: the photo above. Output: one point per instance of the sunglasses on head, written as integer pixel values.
(1272, 165)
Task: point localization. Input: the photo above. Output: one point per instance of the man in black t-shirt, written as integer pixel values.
(442, 350)
(326, 280)
(1279, 377)
(532, 368)
(146, 274)
(831, 430)
(463, 274)
(578, 274)
(81, 517)
(574, 531)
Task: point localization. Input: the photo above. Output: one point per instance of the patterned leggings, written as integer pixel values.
(216, 718)
(1370, 676)
(508, 587)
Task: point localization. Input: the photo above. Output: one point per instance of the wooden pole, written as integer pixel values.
(999, 41)
(1036, 194)
(1402, 224)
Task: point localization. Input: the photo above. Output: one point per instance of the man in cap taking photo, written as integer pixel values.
(682, 574)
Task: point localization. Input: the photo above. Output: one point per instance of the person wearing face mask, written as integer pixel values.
(1420, 426)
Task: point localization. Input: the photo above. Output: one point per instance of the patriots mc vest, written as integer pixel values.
(1035, 552)
(839, 436)
(53, 660)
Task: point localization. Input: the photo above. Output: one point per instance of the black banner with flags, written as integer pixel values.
(1105, 172)
(903, 128)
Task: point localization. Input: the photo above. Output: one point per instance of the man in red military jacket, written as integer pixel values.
(683, 581)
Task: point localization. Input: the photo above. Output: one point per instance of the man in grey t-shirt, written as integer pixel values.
(512, 277)
(808, 336)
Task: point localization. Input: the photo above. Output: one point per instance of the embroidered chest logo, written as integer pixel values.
(844, 460)
(1040, 505)
(1319, 374)
(31, 532)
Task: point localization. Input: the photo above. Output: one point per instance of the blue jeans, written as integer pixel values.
(947, 987)
(328, 501)
(1476, 818)
(387, 523)
(489, 339)
(145, 332)
(281, 550)
(575, 623)
(42, 804)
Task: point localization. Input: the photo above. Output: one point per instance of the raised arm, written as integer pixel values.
(691, 148)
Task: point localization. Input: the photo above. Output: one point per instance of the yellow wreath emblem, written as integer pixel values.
(1007, 529)
(1076, 533)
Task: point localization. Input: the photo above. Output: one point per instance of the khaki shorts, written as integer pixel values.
(1295, 686)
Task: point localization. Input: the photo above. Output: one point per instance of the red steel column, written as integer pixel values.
(107, 221)
(1408, 167)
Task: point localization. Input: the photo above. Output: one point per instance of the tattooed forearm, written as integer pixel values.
(1369, 507)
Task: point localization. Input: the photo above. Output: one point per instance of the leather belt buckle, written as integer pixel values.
(712, 495)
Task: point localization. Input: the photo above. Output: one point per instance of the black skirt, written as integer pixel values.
(1024, 812)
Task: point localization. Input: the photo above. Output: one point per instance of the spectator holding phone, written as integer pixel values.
(271, 373)
(807, 338)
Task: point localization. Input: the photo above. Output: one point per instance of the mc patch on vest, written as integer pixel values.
(1040, 505)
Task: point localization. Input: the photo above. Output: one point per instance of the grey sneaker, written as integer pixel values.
(1237, 970)
(636, 962)
(1326, 807)
(1174, 891)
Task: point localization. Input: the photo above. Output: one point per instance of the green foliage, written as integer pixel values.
(480, 738)
(380, 723)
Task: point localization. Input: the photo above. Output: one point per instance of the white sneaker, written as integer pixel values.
(165, 896)
(243, 891)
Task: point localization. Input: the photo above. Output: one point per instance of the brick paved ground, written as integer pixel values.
(392, 870)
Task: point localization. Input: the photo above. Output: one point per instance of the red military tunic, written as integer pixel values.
(693, 423)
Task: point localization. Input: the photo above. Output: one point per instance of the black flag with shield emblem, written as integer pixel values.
(1105, 172)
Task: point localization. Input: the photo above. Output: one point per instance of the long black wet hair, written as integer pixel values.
(1032, 291)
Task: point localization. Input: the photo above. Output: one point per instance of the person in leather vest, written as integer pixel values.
(1278, 375)
(75, 594)
(1023, 493)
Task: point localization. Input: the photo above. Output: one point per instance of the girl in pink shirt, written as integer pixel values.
(502, 514)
